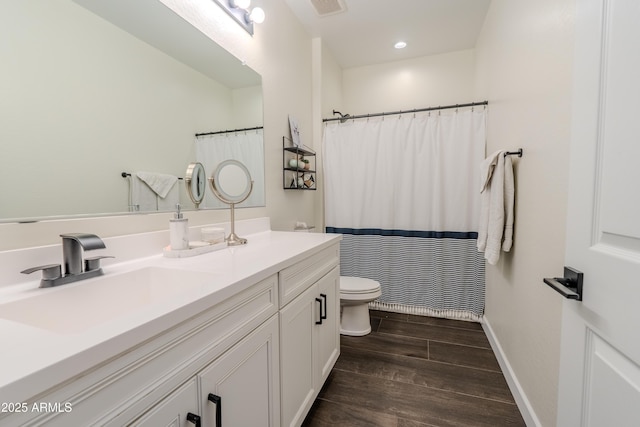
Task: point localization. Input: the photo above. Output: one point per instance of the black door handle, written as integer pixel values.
(569, 286)
(218, 401)
(193, 419)
(319, 301)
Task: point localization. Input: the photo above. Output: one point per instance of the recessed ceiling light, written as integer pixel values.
(400, 45)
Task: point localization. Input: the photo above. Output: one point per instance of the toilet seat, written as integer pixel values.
(358, 286)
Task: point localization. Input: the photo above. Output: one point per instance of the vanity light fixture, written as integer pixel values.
(241, 12)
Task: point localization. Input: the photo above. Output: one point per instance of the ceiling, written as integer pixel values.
(364, 32)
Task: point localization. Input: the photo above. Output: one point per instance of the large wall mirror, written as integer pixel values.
(93, 88)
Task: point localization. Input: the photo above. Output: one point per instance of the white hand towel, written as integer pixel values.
(496, 214)
(169, 202)
(154, 192)
(160, 183)
(486, 173)
(509, 199)
(142, 197)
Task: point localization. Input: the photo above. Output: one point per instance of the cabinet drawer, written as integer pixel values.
(117, 392)
(174, 409)
(295, 279)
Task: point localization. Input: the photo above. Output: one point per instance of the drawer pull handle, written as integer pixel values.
(323, 316)
(319, 301)
(193, 419)
(218, 401)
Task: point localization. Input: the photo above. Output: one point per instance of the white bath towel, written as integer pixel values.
(496, 213)
(152, 192)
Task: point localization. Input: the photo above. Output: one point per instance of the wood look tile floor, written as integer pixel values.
(415, 371)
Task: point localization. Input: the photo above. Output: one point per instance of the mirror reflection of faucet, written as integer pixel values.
(75, 268)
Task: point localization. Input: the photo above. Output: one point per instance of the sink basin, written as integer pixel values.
(78, 307)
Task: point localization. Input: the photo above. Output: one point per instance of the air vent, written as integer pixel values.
(328, 7)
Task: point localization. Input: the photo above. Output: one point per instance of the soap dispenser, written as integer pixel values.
(179, 231)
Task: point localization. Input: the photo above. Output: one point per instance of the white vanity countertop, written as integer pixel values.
(34, 359)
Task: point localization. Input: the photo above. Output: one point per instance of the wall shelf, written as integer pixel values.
(295, 176)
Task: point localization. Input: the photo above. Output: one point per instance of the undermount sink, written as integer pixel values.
(79, 307)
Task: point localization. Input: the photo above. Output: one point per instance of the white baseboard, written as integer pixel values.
(519, 396)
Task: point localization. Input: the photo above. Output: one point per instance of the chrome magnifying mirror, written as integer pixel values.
(195, 181)
(231, 183)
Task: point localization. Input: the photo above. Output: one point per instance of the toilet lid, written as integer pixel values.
(357, 285)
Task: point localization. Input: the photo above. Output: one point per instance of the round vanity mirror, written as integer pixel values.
(231, 182)
(195, 180)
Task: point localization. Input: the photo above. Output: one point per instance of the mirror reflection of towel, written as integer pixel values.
(154, 191)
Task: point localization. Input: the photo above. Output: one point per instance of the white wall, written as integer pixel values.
(524, 69)
(414, 83)
(280, 51)
(327, 97)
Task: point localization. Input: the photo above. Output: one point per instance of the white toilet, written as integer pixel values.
(355, 295)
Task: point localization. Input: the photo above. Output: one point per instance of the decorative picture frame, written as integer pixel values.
(295, 131)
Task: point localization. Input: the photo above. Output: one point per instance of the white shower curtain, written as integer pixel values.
(246, 147)
(404, 191)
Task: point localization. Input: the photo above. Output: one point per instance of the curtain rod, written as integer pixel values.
(393, 113)
(228, 131)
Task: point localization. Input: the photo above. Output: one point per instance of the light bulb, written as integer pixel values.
(242, 4)
(400, 45)
(257, 15)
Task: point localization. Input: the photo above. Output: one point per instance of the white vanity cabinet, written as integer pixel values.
(158, 382)
(252, 349)
(309, 331)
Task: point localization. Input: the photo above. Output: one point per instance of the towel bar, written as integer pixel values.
(126, 174)
(514, 153)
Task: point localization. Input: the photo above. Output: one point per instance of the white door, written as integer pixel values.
(600, 360)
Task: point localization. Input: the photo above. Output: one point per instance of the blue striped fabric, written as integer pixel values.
(424, 272)
(405, 233)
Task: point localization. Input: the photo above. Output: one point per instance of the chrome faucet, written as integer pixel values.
(75, 268)
(72, 245)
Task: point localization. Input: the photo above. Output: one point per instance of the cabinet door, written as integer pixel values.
(328, 348)
(297, 355)
(179, 409)
(242, 387)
